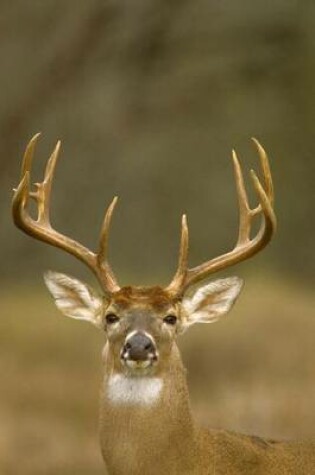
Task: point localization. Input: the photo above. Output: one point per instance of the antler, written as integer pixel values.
(41, 228)
(246, 246)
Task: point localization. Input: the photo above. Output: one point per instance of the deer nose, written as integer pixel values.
(139, 347)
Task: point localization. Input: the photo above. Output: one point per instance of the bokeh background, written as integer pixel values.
(149, 97)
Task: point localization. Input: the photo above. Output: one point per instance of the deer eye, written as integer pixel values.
(170, 319)
(111, 318)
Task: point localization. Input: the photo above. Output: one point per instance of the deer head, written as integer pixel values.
(141, 323)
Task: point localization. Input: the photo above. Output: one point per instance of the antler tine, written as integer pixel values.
(184, 244)
(269, 224)
(29, 154)
(21, 193)
(41, 228)
(45, 187)
(181, 272)
(265, 165)
(244, 209)
(245, 246)
(43, 191)
(108, 275)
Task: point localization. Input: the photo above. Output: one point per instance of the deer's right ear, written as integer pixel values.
(74, 298)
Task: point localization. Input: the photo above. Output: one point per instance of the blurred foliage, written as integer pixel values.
(148, 98)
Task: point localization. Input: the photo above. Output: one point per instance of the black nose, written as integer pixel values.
(139, 346)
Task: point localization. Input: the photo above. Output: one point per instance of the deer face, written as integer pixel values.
(141, 324)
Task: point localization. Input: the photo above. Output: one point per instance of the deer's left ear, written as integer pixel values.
(211, 301)
(74, 298)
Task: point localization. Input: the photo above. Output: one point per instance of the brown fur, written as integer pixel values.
(163, 439)
(154, 297)
(146, 425)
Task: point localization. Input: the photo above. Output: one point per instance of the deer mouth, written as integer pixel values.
(139, 364)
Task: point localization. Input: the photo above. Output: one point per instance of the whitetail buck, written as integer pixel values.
(146, 425)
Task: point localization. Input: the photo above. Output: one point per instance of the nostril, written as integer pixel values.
(148, 346)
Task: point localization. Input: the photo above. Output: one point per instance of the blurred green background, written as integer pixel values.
(148, 98)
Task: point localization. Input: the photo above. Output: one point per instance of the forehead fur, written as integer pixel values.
(156, 297)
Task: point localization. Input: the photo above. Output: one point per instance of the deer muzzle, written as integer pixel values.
(139, 350)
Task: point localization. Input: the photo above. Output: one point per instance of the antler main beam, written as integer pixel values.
(41, 228)
(246, 246)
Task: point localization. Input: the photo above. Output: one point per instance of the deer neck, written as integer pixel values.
(146, 421)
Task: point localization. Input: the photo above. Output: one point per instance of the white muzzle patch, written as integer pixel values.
(134, 390)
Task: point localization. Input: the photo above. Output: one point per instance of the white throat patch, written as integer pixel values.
(134, 390)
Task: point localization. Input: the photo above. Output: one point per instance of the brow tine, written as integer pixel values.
(104, 236)
(184, 244)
